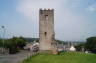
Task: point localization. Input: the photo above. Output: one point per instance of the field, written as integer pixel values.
(67, 57)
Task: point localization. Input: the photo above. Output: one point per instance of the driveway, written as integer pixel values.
(15, 58)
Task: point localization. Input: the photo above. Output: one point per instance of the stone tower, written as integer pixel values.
(46, 29)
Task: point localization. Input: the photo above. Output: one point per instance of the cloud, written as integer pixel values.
(68, 25)
(30, 7)
(92, 7)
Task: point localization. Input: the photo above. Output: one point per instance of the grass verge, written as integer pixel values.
(67, 57)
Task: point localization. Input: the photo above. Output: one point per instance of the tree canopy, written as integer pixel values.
(91, 44)
(13, 44)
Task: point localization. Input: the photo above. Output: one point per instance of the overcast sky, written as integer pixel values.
(75, 20)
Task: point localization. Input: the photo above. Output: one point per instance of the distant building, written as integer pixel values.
(30, 46)
(60, 47)
(72, 48)
(68, 46)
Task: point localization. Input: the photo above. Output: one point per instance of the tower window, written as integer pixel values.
(45, 33)
(46, 17)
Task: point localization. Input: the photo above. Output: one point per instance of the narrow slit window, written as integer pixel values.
(46, 17)
(45, 33)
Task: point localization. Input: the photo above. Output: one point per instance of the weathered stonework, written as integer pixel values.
(46, 29)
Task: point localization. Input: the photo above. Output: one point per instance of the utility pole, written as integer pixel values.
(3, 36)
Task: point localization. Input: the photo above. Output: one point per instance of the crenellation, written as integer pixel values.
(46, 9)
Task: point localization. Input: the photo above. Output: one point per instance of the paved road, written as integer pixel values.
(15, 58)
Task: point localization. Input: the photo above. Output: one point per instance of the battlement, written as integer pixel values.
(46, 9)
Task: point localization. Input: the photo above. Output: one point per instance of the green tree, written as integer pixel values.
(1, 44)
(80, 46)
(15, 44)
(12, 45)
(21, 42)
(91, 44)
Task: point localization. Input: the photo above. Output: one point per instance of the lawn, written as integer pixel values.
(67, 57)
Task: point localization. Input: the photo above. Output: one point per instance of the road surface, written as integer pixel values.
(15, 58)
